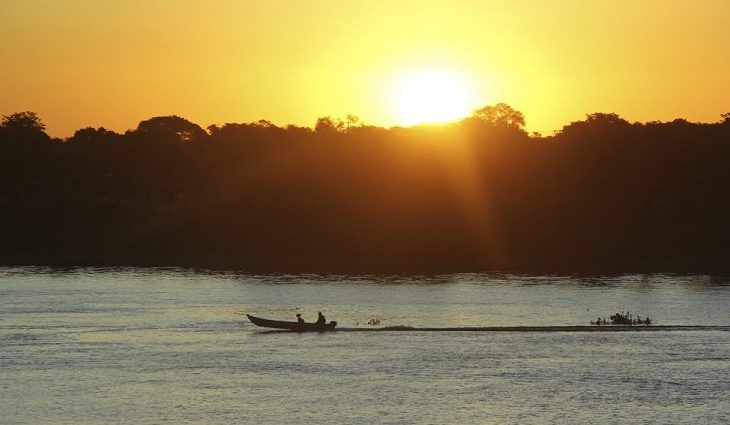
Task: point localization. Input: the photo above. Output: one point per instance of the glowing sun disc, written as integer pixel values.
(431, 97)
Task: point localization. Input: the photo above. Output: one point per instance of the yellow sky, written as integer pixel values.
(113, 63)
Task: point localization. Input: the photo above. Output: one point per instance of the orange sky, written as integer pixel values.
(114, 63)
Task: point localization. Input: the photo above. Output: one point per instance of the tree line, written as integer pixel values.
(600, 195)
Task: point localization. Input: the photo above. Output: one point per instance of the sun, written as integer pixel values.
(432, 96)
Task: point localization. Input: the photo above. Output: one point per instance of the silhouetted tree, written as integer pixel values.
(23, 139)
(352, 121)
(23, 122)
(500, 115)
(328, 125)
(23, 126)
(605, 119)
(93, 135)
(265, 124)
(597, 126)
(171, 128)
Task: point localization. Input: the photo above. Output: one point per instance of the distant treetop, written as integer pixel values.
(171, 128)
(23, 122)
(500, 115)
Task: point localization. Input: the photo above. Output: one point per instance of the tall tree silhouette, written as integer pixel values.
(500, 115)
(23, 125)
(23, 122)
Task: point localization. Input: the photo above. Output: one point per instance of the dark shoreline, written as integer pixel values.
(352, 267)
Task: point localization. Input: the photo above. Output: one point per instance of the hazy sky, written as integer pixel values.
(113, 63)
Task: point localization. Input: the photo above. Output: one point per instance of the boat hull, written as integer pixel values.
(291, 326)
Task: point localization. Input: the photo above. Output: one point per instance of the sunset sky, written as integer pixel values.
(80, 63)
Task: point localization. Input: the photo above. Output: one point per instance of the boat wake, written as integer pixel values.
(606, 328)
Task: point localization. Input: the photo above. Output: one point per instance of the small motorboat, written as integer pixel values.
(292, 326)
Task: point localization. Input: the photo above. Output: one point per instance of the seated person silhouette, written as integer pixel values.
(299, 319)
(320, 319)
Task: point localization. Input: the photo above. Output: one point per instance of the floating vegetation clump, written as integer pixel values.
(623, 318)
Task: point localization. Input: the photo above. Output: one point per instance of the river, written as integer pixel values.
(174, 345)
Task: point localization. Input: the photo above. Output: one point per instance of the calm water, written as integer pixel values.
(166, 345)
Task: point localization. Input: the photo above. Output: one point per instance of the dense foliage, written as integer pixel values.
(624, 319)
(602, 194)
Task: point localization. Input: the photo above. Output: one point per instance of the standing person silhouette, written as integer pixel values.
(320, 319)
